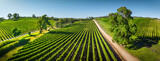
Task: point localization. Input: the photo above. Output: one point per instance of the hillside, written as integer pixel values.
(77, 41)
(24, 24)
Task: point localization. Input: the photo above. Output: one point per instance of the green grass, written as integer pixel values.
(145, 54)
(24, 24)
(147, 28)
(103, 22)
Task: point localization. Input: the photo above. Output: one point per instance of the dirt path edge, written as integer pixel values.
(124, 55)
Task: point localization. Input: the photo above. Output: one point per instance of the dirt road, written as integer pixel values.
(121, 51)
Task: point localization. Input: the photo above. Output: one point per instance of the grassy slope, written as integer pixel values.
(144, 54)
(105, 25)
(24, 24)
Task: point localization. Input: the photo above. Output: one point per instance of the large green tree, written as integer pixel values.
(42, 23)
(123, 26)
(15, 16)
(33, 16)
(9, 16)
(60, 23)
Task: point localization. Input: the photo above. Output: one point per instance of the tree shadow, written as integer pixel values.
(70, 25)
(32, 35)
(23, 42)
(20, 43)
(59, 32)
(143, 42)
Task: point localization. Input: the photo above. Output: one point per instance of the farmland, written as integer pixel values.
(78, 41)
(78, 30)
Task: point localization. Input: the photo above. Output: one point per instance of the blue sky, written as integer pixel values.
(78, 8)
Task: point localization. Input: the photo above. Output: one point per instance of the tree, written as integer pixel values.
(1, 19)
(29, 33)
(9, 16)
(123, 26)
(71, 21)
(52, 18)
(33, 16)
(60, 23)
(16, 32)
(91, 18)
(42, 23)
(15, 16)
(57, 23)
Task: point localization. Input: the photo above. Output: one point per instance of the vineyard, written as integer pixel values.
(146, 27)
(149, 37)
(5, 34)
(80, 41)
(149, 28)
(24, 24)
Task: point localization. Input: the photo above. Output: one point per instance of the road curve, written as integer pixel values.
(121, 51)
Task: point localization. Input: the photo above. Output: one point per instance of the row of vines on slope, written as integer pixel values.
(83, 41)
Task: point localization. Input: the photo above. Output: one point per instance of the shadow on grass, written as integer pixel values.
(59, 32)
(70, 25)
(11, 47)
(32, 35)
(143, 42)
(23, 42)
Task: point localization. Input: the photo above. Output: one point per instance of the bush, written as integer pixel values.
(16, 32)
(29, 33)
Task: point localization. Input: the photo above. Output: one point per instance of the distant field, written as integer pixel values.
(148, 27)
(24, 24)
(148, 48)
(78, 41)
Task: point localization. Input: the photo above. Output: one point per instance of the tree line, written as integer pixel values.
(14, 16)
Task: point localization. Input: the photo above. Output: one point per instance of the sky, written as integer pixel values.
(78, 8)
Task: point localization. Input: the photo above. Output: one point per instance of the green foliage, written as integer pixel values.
(16, 32)
(122, 25)
(1, 19)
(124, 12)
(9, 16)
(15, 16)
(42, 23)
(89, 18)
(29, 33)
(62, 22)
(33, 16)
